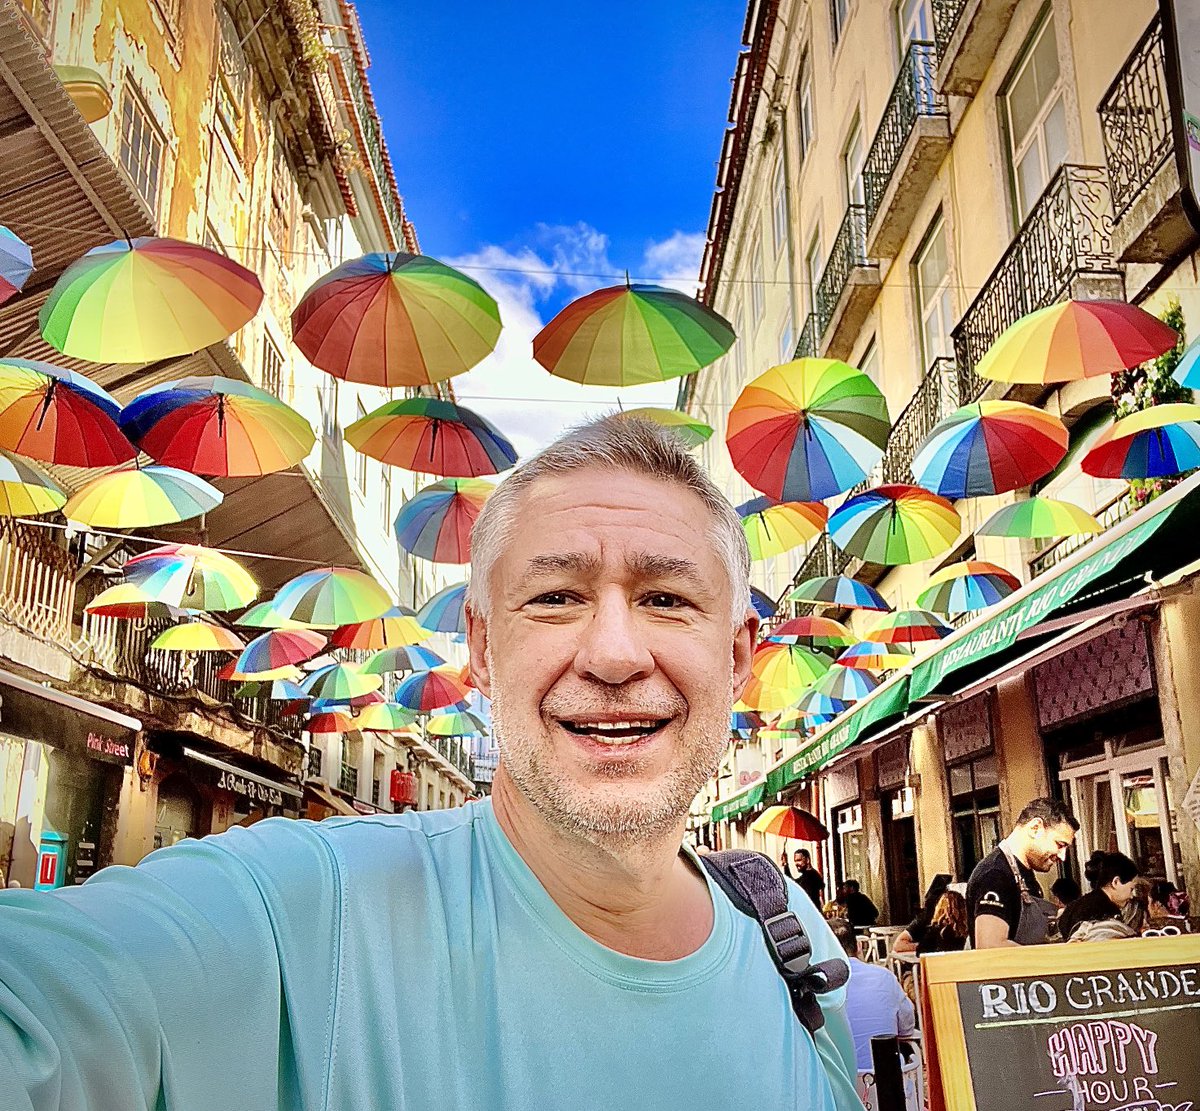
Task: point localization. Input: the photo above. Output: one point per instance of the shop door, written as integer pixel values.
(900, 841)
(177, 814)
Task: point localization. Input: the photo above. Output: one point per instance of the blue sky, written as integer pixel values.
(535, 142)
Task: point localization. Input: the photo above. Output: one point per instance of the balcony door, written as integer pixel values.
(914, 23)
(935, 299)
(854, 157)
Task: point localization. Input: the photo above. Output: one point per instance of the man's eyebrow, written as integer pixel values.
(647, 565)
(560, 561)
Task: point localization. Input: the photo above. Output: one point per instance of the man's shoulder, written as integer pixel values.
(991, 870)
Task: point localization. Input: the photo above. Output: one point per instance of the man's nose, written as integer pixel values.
(613, 649)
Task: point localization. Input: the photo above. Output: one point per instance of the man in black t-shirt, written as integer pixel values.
(807, 876)
(1045, 830)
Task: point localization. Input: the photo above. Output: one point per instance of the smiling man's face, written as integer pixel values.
(611, 652)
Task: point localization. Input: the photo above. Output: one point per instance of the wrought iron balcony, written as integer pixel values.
(936, 397)
(1110, 514)
(1063, 249)
(946, 14)
(809, 343)
(908, 147)
(968, 33)
(848, 287)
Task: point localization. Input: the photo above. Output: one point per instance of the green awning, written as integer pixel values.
(886, 701)
(738, 804)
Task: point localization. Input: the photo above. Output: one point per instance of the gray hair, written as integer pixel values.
(617, 443)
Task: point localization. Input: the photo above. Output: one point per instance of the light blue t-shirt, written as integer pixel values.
(400, 963)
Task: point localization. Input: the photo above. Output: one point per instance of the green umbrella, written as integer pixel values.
(1039, 519)
(462, 724)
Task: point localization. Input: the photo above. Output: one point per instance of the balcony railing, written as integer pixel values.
(1135, 120)
(376, 149)
(809, 343)
(849, 252)
(935, 398)
(37, 581)
(1067, 235)
(914, 95)
(946, 14)
(348, 780)
(1115, 511)
(452, 750)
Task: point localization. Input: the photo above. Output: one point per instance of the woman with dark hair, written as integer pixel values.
(1167, 906)
(947, 931)
(909, 941)
(1112, 876)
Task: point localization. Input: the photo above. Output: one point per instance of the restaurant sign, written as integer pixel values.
(249, 789)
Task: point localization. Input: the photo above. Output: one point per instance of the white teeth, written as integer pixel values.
(605, 726)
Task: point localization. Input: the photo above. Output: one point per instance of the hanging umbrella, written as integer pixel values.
(433, 690)
(24, 490)
(141, 300)
(1039, 519)
(762, 603)
(989, 447)
(436, 522)
(807, 430)
(386, 717)
(330, 597)
(332, 722)
(445, 611)
(908, 627)
(58, 416)
(395, 319)
(197, 636)
(744, 719)
(432, 436)
(790, 822)
(1076, 339)
(967, 587)
(340, 683)
(262, 616)
(280, 647)
(776, 529)
(463, 724)
(628, 335)
(1151, 443)
(192, 577)
(407, 657)
(764, 697)
(868, 656)
(894, 524)
(129, 602)
(1187, 370)
(217, 426)
(397, 628)
(687, 428)
(845, 684)
(787, 666)
(231, 674)
(16, 264)
(839, 591)
(811, 632)
(141, 497)
(813, 703)
(274, 690)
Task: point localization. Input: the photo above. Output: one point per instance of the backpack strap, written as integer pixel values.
(758, 889)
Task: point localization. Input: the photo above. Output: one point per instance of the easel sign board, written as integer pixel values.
(1091, 1026)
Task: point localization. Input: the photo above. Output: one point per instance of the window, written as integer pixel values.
(805, 118)
(975, 810)
(814, 263)
(935, 301)
(272, 368)
(329, 409)
(787, 341)
(360, 460)
(738, 351)
(279, 214)
(779, 211)
(142, 144)
(386, 492)
(913, 23)
(854, 157)
(315, 756)
(1036, 115)
(757, 293)
(868, 362)
(230, 90)
(839, 12)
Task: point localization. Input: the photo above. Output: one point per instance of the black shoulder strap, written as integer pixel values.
(758, 889)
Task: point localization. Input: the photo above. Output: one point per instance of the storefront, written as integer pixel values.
(898, 820)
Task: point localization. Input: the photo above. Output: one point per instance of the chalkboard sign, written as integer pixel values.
(1096, 1026)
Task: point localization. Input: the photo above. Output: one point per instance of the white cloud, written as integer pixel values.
(675, 261)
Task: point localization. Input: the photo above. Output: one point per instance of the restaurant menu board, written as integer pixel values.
(1097, 1026)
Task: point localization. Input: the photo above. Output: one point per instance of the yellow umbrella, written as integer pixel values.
(141, 497)
(24, 490)
(772, 530)
(197, 636)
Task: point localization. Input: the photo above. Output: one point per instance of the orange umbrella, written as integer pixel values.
(791, 822)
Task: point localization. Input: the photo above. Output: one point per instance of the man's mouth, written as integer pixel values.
(615, 733)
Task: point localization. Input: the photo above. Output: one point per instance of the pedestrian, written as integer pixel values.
(1004, 899)
(875, 1002)
(861, 912)
(553, 946)
(1112, 877)
(807, 876)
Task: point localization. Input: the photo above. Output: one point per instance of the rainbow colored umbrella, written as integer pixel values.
(433, 436)
(128, 602)
(765, 697)
(445, 611)
(16, 264)
(340, 683)
(692, 432)
(24, 490)
(58, 416)
(1187, 370)
(1076, 339)
(197, 636)
(141, 497)
(395, 319)
(967, 587)
(839, 591)
(807, 430)
(278, 648)
(1039, 519)
(407, 657)
(231, 674)
(790, 822)
(989, 447)
(140, 300)
(776, 529)
(627, 335)
(217, 426)
(427, 691)
(813, 703)
(274, 690)
(867, 656)
(845, 684)
(436, 523)
(396, 628)
(330, 597)
(192, 577)
(811, 632)
(894, 524)
(762, 603)
(787, 666)
(1151, 443)
(386, 717)
(908, 627)
(462, 724)
(743, 719)
(331, 722)
(262, 616)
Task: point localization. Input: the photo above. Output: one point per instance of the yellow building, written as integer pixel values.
(899, 182)
(250, 128)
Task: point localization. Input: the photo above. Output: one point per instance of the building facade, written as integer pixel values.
(899, 182)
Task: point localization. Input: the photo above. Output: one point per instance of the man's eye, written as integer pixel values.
(552, 598)
(663, 600)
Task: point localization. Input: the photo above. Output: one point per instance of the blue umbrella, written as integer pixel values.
(16, 264)
(762, 603)
(840, 591)
(445, 612)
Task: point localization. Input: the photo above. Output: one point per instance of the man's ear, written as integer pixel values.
(477, 646)
(744, 638)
